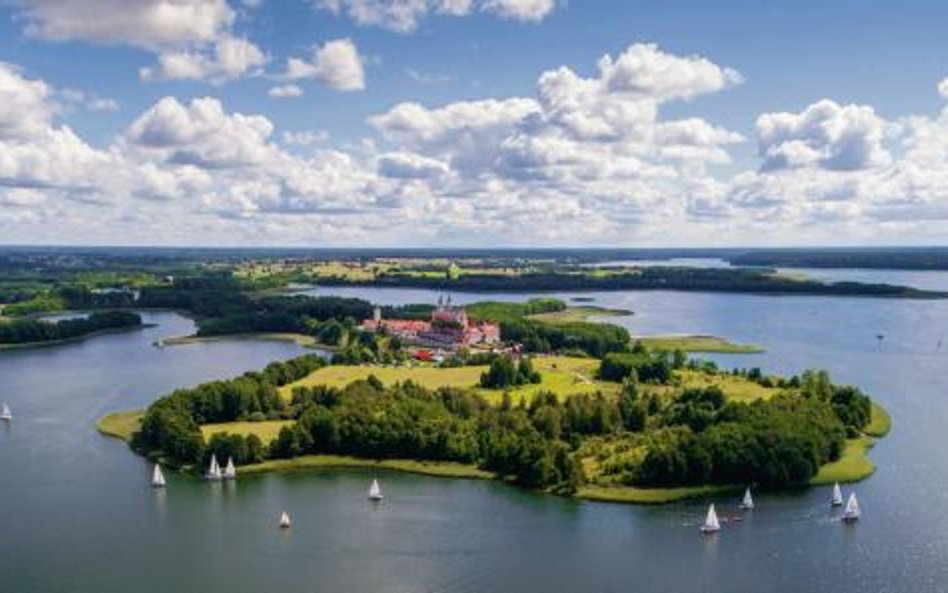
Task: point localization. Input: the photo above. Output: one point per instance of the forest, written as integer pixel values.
(27, 331)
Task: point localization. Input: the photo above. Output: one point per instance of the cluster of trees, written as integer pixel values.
(24, 331)
(593, 339)
(368, 420)
(744, 280)
(171, 426)
(637, 365)
(505, 372)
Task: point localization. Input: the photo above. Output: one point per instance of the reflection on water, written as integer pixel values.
(79, 515)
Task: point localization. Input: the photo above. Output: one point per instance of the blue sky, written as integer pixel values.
(804, 122)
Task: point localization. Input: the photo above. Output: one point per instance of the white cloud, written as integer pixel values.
(285, 91)
(26, 112)
(336, 64)
(943, 88)
(229, 59)
(403, 165)
(305, 137)
(201, 134)
(404, 16)
(825, 135)
(143, 23)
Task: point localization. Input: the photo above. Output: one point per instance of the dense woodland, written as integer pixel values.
(25, 331)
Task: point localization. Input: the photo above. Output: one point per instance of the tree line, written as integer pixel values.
(25, 331)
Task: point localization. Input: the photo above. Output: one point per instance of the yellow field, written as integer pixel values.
(736, 388)
(561, 374)
(266, 430)
(581, 313)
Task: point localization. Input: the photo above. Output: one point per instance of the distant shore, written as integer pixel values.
(73, 340)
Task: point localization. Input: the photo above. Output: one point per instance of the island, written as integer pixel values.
(489, 391)
(30, 333)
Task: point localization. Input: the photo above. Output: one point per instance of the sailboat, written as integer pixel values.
(375, 491)
(837, 496)
(5, 413)
(157, 478)
(284, 521)
(711, 524)
(230, 472)
(213, 470)
(851, 512)
(748, 502)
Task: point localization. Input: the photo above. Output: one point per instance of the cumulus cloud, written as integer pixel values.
(305, 137)
(403, 165)
(285, 91)
(229, 59)
(337, 64)
(142, 23)
(404, 16)
(825, 135)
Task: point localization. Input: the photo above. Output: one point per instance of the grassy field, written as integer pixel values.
(121, 425)
(632, 495)
(562, 375)
(300, 339)
(736, 388)
(581, 313)
(697, 344)
(307, 462)
(266, 430)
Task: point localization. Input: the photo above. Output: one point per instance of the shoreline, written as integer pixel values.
(853, 466)
(301, 340)
(73, 340)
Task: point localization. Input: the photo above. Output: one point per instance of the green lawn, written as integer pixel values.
(266, 431)
(121, 425)
(633, 495)
(562, 375)
(736, 388)
(697, 344)
(428, 468)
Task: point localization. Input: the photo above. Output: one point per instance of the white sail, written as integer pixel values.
(284, 520)
(5, 413)
(851, 512)
(214, 470)
(375, 491)
(837, 495)
(230, 472)
(748, 502)
(157, 478)
(711, 523)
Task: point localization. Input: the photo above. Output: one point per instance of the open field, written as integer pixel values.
(121, 425)
(736, 388)
(427, 468)
(562, 375)
(853, 465)
(581, 313)
(697, 344)
(266, 431)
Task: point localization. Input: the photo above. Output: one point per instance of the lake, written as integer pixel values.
(78, 515)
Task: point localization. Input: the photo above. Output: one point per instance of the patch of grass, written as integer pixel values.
(120, 425)
(736, 388)
(573, 314)
(633, 495)
(266, 430)
(881, 422)
(427, 468)
(300, 339)
(563, 375)
(853, 465)
(697, 344)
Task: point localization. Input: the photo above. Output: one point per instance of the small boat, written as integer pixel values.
(375, 491)
(157, 478)
(837, 496)
(851, 513)
(213, 470)
(748, 503)
(230, 472)
(5, 413)
(711, 524)
(159, 344)
(285, 521)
